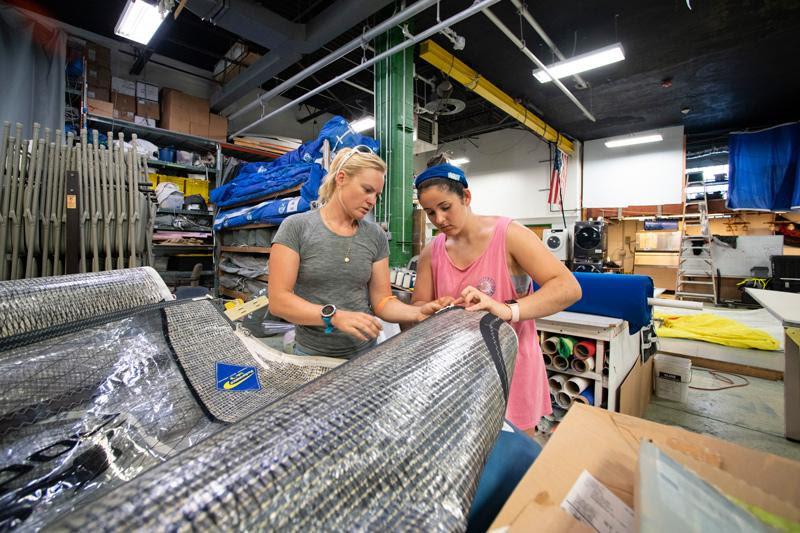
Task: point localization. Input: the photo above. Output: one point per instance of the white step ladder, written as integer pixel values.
(697, 277)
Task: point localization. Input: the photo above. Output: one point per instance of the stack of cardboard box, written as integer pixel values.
(123, 96)
(236, 60)
(147, 108)
(189, 114)
(98, 77)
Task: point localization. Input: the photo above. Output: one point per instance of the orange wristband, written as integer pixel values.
(383, 303)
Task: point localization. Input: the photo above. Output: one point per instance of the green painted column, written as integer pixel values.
(394, 127)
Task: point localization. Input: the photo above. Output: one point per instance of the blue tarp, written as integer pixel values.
(616, 295)
(255, 180)
(764, 173)
(267, 212)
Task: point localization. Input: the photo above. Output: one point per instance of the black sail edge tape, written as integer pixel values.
(490, 330)
(30, 337)
(181, 369)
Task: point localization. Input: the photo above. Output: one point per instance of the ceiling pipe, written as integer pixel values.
(466, 13)
(359, 87)
(367, 36)
(582, 84)
(519, 44)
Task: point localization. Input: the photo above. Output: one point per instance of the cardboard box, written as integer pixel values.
(123, 102)
(98, 93)
(147, 108)
(98, 76)
(100, 108)
(184, 113)
(146, 91)
(607, 446)
(98, 55)
(637, 389)
(217, 127)
(144, 121)
(227, 69)
(123, 86)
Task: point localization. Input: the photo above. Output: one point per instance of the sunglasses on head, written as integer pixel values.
(360, 149)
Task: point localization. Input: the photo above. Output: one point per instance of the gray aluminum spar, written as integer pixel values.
(12, 199)
(60, 204)
(96, 213)
(395, 439)
(122, 216)
(132, 189)
(7, 170)
(99, 181)
(83, 210)
(32, 211)
(108, 199)
(48, 214)
(3, 151)
(16, 226)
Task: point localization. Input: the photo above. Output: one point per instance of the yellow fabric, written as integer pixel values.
(713, 328)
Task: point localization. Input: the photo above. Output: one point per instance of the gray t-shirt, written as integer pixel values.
(325, 278)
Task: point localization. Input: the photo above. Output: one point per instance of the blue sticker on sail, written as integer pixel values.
(237, 378)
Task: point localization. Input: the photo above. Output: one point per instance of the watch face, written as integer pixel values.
(328, 310)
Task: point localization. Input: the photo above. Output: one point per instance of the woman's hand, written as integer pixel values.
(359, 325)
(476, 300)
(431, 307)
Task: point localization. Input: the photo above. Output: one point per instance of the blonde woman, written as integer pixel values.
(329, 268)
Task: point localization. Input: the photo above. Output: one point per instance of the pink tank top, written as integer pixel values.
(529, 396)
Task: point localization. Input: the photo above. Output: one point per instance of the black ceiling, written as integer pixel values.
(732, 64)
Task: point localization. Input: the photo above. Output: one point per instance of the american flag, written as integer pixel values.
(558, 178)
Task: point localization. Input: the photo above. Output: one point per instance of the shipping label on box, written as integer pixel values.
(123, 86)
(124, 115)
(144, 121)
(146, 91)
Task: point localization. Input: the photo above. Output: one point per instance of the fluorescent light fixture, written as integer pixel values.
(629, 141)
(458, 161)
(139, 21)
(363, 124)
(582, 63)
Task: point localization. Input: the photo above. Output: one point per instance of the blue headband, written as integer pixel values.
(450, 172)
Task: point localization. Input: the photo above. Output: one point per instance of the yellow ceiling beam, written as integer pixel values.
(456, 69)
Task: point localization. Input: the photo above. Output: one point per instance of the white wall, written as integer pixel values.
(509, 175)
(643, 174)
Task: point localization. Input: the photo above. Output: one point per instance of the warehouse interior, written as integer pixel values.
(456, 265)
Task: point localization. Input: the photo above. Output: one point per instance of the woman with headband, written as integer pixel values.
(329, 268)
(488, 262)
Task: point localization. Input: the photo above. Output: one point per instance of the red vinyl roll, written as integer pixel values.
(585, 349)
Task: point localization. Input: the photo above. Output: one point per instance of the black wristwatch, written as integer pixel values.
(327, 316)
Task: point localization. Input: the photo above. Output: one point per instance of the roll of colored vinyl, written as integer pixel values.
(556, 382)
(582, 365)
(576, 386)
(548, 359)
(585, 349)
(566, 345)
(560, 363)
(550, 345)
(563, 400)
(587, 397)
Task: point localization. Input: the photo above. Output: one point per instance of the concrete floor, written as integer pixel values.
(750, 416)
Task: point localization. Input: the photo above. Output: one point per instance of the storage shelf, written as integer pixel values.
(195, 212)
(157, 136)
(247, 249)
(209, 231)
(594, 376)
(245, 153)
(251, 226)
(271, 196)
(179, 166)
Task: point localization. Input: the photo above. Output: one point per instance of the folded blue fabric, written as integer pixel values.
(267, 212)
(616, 295)
(259, 179)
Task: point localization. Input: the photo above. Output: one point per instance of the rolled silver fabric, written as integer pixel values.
(32, 304)
(395, 439)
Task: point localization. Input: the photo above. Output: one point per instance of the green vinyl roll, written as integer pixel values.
(565, 347)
